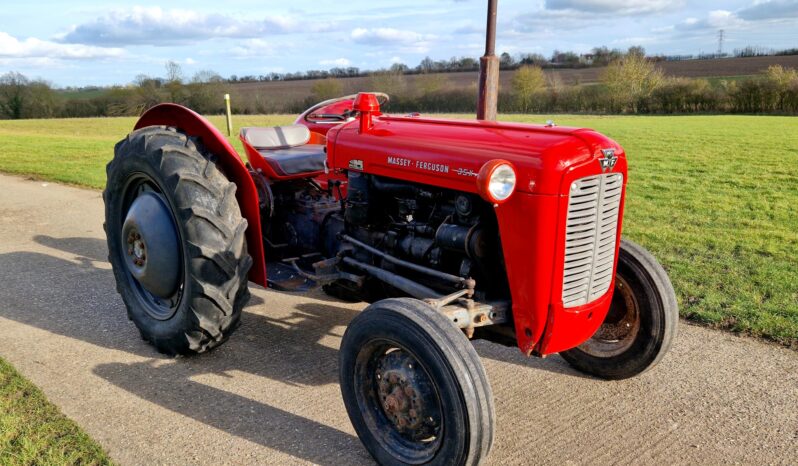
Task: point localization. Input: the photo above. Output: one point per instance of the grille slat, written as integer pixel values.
(590, 234)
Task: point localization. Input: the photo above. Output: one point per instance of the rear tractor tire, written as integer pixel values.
(414, 387)
(175, 241)
(641, 323)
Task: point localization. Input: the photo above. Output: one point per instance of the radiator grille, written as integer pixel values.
(590, 234)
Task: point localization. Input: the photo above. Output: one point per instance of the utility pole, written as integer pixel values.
(489, 70)
(721, 34)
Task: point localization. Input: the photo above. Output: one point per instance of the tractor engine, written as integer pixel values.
(447, 231)
(381, 222)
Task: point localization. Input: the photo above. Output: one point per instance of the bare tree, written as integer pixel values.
(391, 82)
(174, 81)
(13, 94)
(205, 92)
(324, 89)
(630, 80)
(23, 98)
(527, 81)
(431, 83)
(784, 82)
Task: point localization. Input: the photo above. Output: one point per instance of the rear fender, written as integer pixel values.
(194, 125)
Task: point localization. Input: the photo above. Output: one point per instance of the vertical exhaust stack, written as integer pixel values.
(489, 70)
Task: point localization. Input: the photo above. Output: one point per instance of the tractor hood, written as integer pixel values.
(450, 153)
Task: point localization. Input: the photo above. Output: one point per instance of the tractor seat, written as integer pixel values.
(286, 148)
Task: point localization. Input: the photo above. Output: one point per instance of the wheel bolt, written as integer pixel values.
(129, 251)
(413, 413)
(410, 392)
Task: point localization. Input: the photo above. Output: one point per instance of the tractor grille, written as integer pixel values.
(590, 234)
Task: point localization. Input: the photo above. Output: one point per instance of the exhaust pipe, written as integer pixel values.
(489, 70)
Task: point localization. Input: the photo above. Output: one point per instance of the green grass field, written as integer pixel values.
(33, 431)
(713, 197)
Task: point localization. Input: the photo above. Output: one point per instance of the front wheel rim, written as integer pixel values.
(619, 330)
(399, 401)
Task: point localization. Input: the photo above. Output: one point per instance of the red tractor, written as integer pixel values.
(452, 230)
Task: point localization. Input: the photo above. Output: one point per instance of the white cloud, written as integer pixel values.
(714, 20)
(760, 14)
(339, 62)
(623, 7)
(11, 47)
(388, 36)
(774, 9)
(254, 48)
(156, 26)
(403, 41)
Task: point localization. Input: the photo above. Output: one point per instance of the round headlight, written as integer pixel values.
(496, 181)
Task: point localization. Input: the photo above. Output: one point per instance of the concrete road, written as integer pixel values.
(270, 395)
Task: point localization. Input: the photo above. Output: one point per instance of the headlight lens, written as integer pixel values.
(496, 181)
(502, 182)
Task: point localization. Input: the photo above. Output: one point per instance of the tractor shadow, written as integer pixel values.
(297, 334)
(76, 298)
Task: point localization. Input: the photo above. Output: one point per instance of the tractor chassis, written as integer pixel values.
(459, 307)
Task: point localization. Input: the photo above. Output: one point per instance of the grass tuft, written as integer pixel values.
(33, 431)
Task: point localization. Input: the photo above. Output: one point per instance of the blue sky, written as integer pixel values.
(80, 42)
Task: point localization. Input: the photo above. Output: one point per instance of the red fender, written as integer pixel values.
(193, 124)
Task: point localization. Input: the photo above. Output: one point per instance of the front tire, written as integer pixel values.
(176, 241)
(641, 323)
(414, 387)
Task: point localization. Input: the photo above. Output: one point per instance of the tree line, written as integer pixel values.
(597, 57)
(631, 83)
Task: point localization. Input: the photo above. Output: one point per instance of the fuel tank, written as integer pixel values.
(450, 153)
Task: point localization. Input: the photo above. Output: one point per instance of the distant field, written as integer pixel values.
(733, 68)
(712, 196)
(282, 92)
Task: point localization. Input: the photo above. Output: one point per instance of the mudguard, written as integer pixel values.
(194, 125)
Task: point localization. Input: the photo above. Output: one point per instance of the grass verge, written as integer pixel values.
(33, 431)
(713, 197)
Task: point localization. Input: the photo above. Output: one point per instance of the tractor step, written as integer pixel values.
(283, 277)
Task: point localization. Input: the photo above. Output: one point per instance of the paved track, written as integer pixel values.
(270, 395)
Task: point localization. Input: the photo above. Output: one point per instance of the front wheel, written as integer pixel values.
(414, 388)
(641, 322)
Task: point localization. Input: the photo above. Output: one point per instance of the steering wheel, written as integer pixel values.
(312, 116)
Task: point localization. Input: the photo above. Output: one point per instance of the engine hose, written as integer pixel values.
(414, 289)
(466, 282)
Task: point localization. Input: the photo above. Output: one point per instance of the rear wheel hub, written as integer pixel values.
(151, 242)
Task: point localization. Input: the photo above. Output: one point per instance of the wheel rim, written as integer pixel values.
(621, 326)
(398, 401)
(151, 247)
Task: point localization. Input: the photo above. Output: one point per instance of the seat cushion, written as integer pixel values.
(276, 137)
(309, 158)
